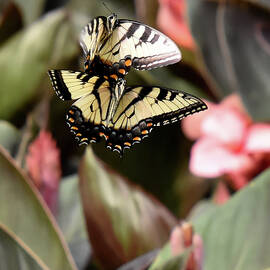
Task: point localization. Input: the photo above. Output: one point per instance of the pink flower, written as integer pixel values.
(171, 20)
(183, 237)
(229, 143)
(44, 167)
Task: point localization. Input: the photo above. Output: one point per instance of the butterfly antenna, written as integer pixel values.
(107, 7)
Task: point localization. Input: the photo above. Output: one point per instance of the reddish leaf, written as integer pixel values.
(123, 221)
(43, 164)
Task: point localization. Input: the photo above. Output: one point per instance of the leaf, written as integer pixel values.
(11, 21)
(236, 234)
(123, 222)
(71, 221)
(25, 58)
(9, 136)
(140, 263)
(199, 209)
(44, 167)
(31, 9)
(24, 213)
(234, 42)
(14, 254)
(166, 261)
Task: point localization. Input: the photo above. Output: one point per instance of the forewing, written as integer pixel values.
(146, 47)
(87, 116)
(142, 108)
(72, 84)
(91, 36)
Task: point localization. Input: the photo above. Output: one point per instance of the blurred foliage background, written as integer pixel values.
(94, 200)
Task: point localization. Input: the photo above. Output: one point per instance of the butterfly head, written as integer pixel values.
(111, 21)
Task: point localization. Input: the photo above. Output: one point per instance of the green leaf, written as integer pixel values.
(71, 221)
(166, 261)
(31, 9)
(14, 254)
(25, 58)
(234, 42)
(123, 222)
(9, 136)
(199, 209)
(236, 235)
(24, 213)
(142, 262)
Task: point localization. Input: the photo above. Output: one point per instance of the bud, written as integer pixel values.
(182, 237)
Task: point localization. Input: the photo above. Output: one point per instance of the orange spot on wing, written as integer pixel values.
(79, 134)
(136, 139)
(127, 143)
(122, 71)
(71, 120)
(128, 63)
(84, 139)
(145, 132)
(149, 124)
(106, 77)
(71, 112)
(74, 128)
(101, 134)
(114, 76)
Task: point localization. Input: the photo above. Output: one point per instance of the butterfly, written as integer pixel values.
(122, 115)
(112, 46)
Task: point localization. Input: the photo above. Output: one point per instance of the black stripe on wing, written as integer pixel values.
(168, 55)
(58, 84)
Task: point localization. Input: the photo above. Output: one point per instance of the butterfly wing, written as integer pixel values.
(130, 44)
(142, 108)
(87, 116)
(92, 35)
(147, 47)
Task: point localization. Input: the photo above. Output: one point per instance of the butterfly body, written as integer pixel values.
(122, 115)
(115, 45)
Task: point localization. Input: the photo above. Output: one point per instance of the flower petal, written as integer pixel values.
(226, 125)
(233, 101)
(191, 125)
(258, 138)
(44, 167)
(210, 159)
(171, 20)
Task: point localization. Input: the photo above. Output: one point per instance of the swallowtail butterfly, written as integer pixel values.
(120, 114)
